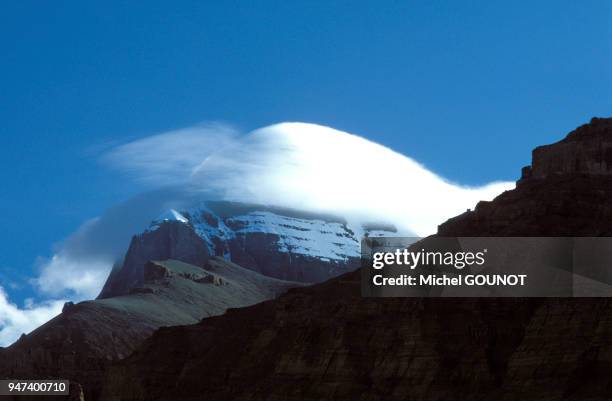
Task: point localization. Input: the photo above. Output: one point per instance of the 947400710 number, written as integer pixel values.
(34, 387)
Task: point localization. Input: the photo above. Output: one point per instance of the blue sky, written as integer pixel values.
(466, 89)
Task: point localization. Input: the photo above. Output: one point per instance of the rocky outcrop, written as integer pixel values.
(326, 342)
(587, 150)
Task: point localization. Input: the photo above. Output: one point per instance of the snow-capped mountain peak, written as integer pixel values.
(277, 242)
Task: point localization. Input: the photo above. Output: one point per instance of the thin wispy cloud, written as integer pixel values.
(169, 158)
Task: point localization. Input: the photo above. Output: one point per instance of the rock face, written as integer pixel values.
(326, 342)
(276, 242)
(171, 239)
(82, 341)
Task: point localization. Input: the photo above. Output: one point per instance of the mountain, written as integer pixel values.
(326, 342)
(186, 266)
(277, 242)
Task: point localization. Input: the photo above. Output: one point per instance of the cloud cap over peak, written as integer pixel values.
(313, 167)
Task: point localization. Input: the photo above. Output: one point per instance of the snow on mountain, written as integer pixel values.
(169, 215)
(282, 243)
(321, 237)
(309, 237)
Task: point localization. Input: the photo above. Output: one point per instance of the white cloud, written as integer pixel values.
(81, 278)
(14, 320)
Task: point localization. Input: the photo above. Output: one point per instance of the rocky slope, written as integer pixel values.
(81, 342)
(326, 342)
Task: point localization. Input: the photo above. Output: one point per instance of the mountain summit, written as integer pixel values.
(277, 242)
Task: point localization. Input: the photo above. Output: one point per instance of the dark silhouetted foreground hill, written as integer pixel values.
(326, 342)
